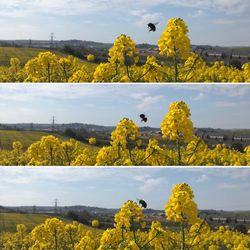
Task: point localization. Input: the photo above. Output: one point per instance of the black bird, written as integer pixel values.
(152, 26)
(142, 203)
(143, 118)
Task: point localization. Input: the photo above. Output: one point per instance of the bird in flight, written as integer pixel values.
(152, 26)
(143, 118)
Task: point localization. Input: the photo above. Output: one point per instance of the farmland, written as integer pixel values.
(173, 61)
(132, 229)
(126, 145)
(7, 137)
(8, 221)
(23, 54)
(26, 54)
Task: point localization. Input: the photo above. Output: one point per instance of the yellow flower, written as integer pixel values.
(181, 207)
(95, 223)
(92, 141)
(177, 125)
(90, 58)
(174, 41)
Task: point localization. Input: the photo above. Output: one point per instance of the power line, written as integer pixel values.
(52, 37)
(56, 206)
(31, 126)
(53, 124)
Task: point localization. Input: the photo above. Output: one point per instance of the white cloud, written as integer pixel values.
(144, 17)
(233, 185)
(10, 197)
(228, 104)
(91, 188)
(139, 95)
(229, 90)
(21, 8)
(141, 177)
(79, 7)
(149, 184)
(237, 174)
(197, 14)
(25, 92)
(146, 100)
(23, 175)
(227, 6)
(200, 178)
(199, 97)
(137, 13)
(230, 21)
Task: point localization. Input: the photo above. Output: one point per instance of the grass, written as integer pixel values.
(23, 54)
(7, 137)
(9, 221)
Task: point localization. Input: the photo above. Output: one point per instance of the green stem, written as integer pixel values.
(183, 237)
(146, 157)
(175, 66)
(48, 71)
(128, 74)
(56, 243)
(191, 68)
(133, 228)
(179, 152)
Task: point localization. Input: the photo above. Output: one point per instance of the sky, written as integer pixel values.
(213, 22)
(215, 106)
(226, 189)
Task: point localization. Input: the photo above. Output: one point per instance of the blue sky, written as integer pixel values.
(217, 106)
(226, 189)
(215, 22)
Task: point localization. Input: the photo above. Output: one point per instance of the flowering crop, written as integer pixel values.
(178, 146)
(132, 232)
(174, 63)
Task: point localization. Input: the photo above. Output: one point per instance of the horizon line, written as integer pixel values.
(99, 125)
(106, 42)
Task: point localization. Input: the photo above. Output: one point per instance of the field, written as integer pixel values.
(23, 54)
(8, 221)
(7, 137)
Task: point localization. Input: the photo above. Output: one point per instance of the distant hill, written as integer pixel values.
(78, 209)
(63, 126)
(112, 211)
(85, 214)
(29, 133)
(94, 127)
(58, 127)
(46, 44)
(26, 49)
